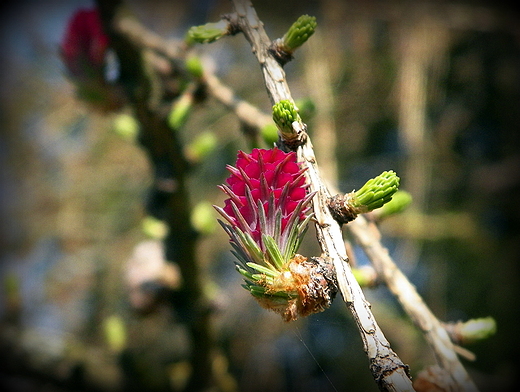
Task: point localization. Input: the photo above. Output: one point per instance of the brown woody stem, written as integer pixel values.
(390, 373)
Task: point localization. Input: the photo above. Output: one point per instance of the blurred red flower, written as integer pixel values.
(84, 45)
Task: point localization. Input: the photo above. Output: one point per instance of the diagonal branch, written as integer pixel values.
(390, 373)
(176, 52)
(367, 235)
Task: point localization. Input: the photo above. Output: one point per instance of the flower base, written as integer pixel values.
(308, 286)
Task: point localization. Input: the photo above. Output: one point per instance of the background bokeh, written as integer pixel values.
(428, 89)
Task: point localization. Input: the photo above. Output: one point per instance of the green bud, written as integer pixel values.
(203, 218)
(202, 146)
(477, 329)
(115, 333)
(400, 201)
(299, 33)
(210, 32)
(284, 114)
(270, 134)
(181, 109)
(126, 126)
(375, 193)
(194, 66)
(154, 228)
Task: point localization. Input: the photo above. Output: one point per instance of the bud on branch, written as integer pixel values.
(289, 122)
(209, 32)
(471, 331)
(299, 32)
(374, 194)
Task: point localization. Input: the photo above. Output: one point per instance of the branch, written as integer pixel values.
(176, 51)
(390, 373)
(367, 235)
(248, 114)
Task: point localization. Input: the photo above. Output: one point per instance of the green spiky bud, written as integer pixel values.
(210, 32)
(400, 201)
(203, 145)
(181, 109)
(299, 33)
(194, 66)
(376, 192)
(270, 134)
(284, 114)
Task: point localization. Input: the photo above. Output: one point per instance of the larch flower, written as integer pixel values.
(84, 45)
(267, 214)
(83, 50)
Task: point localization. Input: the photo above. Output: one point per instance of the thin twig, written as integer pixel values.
(388, 370)
(329, 236)
(248, 114)
(175, 51)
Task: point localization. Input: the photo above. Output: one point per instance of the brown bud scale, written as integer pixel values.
(340, 208)
(314, 281)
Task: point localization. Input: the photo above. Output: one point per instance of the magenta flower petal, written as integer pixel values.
(253, 170)
(264, 174)
(289, 206)
(282, 179)
(291, 167)
(297, 193)
(269, 176)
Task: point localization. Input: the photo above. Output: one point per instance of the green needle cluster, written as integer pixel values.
(284, 114)
(376, 192)
(210, 32)
(299, 33)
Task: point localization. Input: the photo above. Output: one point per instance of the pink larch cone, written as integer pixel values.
(267, 214)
